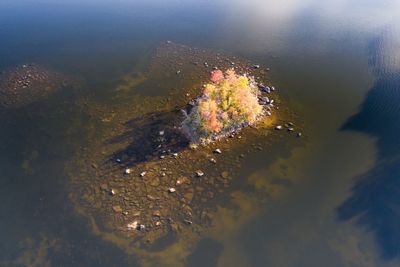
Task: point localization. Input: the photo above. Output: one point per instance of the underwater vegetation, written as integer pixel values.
(228, 103)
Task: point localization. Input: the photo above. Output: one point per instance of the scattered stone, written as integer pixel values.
(133, 225)
(162, 157)
(142, 174)
(178, 71)
(128, 171)
(278, 127)
(290, 129)
(125, 213)
(163, 174)
(225, 174)
(212, 160)
(189, 222)
(113, 192)
(299, 135)
(171, 190)
(118, 160)
(199, 173)
(256, 66)
(117, 209)
(157, 213)
(218, 151)
(175, 155)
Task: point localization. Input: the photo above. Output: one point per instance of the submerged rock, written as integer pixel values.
(28, 83)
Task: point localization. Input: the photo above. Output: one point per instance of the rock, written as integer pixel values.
(125, 213)
(178, 71)
(225, 174)
(171, 190)
(141, 227)
(113, 192)
(161, 133)
(117, 209)
(256, 66)
(118, 160)
(189, 222)
(175, 155)
(133, 225)
(268, 113)
(290, 129)
(212, 160)
(142, 174)
(128, 171)
(278, 127)
(298, 134)
(218, 151)
(199, 173)
(158, 223)
(157, 213)
(162, 157)
(163, 174)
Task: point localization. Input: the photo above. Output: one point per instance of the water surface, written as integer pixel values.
(329, 201)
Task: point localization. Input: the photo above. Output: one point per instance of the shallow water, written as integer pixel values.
(329, 200)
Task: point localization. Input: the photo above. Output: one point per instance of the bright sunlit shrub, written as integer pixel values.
(228, 103)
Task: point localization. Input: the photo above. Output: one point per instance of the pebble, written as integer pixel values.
(171, 190)
(162, 157)
(133, 225)
(212, 160)
(163, 174)
(178, 71)
(290, 129)
(142, 174)
(218, 151)
(278, 127)
(175, 155)
(113, 192)
(256, 66)
(189, 222)
(161, 133)
(128, 171)
(118, 160)
(117, 209)
(299, 134)
(199, 173)
(225, 174)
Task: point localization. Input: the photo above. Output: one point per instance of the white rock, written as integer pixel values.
(171, 190)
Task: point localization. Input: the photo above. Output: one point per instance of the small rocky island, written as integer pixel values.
(143, 180)
(28, 83)
(228, 104)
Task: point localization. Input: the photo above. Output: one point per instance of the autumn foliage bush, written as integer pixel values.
(227, 104)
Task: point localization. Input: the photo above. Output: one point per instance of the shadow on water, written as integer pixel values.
(375, 199)
(150, 137)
